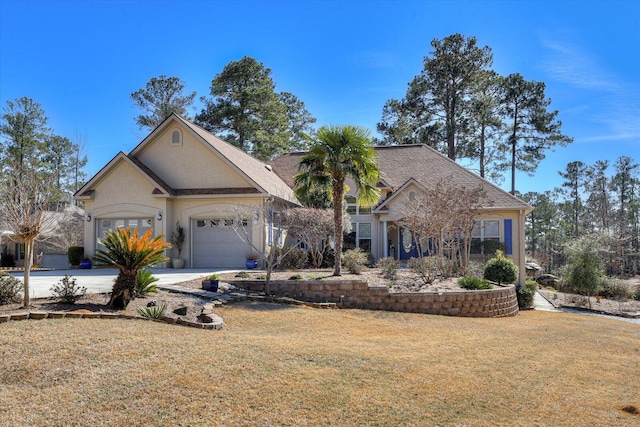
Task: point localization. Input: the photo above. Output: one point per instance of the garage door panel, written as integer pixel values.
(217, 245)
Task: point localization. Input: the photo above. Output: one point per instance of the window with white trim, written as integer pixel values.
(360, 237)
(353, 208)
(484, 230)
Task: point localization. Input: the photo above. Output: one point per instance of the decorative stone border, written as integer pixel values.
(215, 322)
(498, 302)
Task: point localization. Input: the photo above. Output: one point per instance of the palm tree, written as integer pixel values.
(129, 252)
(338, 153)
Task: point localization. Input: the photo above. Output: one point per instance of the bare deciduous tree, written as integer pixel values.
(441, 221)
(268, 216)
(312, 227)
(28, 213)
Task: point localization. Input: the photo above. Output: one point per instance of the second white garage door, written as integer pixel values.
(217, 245)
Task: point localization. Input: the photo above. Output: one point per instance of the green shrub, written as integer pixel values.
(145, 283)
(296, 277)
(10, 289)
(500, 269)
(636, 295)
(67, 290)
(242, 275)
(525, 297)
(155, 312)
(75, 254)
(469, 282)
(329, 259)
(585, 269)
(7, 260)
(614, 289)
(214, 276)
(354, 260)
(296, 259)
(525, 294)
(389, 267)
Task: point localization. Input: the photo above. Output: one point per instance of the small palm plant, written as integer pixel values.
(129, 252)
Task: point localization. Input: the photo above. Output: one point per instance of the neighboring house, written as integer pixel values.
(415, 168)
(59, 230)
(180, 172)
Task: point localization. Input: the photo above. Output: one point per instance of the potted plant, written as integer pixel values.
(210, 283)
(75, 255)
(252, 261)
(177, 240)
(86, 264)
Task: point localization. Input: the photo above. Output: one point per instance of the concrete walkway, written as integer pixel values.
(100, 280)
(541, 304)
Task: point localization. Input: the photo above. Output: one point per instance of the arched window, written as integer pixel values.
(176, 137)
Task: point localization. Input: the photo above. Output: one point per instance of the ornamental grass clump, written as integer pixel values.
(145, 283)
(500, 269)
(153, 312)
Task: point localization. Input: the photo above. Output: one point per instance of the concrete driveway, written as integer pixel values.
(101, 280)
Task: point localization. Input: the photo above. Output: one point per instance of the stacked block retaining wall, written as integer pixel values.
(498, 302)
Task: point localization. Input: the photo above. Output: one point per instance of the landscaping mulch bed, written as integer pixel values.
(614, 307)
(97, 303)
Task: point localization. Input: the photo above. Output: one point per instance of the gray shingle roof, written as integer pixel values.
(399, 163)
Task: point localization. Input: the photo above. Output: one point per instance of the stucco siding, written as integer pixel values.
(190, 164)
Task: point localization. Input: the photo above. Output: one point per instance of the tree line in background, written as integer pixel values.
(40, 173)
(599, 202)
(457, 104)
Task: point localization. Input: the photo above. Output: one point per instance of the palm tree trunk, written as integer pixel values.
(338, 198)
(123, 290)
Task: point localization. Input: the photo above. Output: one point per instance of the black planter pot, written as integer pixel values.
(210, 285)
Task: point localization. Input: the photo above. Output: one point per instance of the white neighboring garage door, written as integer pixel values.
(216, 244)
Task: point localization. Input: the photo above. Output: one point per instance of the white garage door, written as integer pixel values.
(217, 245)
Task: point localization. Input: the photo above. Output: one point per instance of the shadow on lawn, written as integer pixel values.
(264, 305)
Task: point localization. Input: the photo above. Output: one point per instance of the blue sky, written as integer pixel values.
(82, 59)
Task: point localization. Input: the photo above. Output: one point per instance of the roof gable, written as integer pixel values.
(87, 191)
(207, 165)
(421, 164)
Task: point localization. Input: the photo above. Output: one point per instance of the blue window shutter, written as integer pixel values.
(508, 233)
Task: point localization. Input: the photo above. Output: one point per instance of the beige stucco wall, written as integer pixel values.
(126, 193)
(186, 210)
(190, 164)
(123, 192)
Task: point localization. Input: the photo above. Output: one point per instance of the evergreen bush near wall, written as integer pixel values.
(75, 254)
(501, 269)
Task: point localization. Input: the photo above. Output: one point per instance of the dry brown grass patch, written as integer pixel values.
(295, 366)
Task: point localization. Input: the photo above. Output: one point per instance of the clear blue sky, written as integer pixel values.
(82, 59)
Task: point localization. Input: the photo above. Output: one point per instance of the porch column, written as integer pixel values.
(385, 239)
